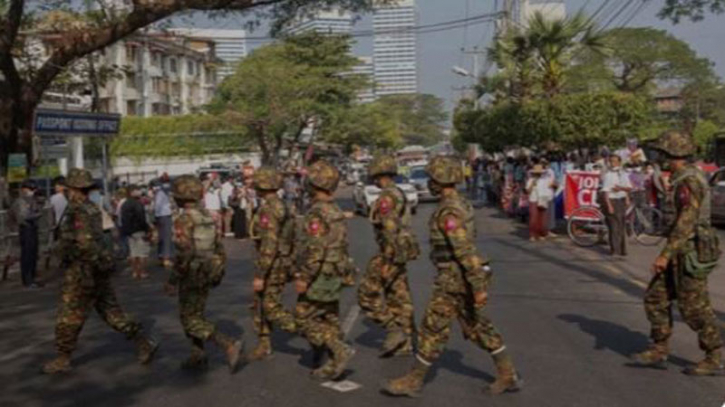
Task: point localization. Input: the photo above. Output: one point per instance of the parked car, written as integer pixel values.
(366, 193)
(419, 178)
(717, 182)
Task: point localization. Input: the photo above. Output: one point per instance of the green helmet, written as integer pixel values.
(79, 178)
(675, 144)
(383, 165)
(267, 178)
(188, 188)
(323, 175)
(445, 170)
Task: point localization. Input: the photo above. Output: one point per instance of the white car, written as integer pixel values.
(366, 193)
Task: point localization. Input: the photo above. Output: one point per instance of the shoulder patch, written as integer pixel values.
(314, 226)
(385, 205)
(451, 223)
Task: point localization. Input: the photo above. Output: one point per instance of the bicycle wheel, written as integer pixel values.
(586, 227)
(649, 226)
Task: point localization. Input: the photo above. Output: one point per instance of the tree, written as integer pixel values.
(369, 125)
(65, 31)
(420, 117)
(538, 58)
(282, 89)
(638, 59)
(694, 10)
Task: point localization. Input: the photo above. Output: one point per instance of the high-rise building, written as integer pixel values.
(230, 45)
(550, 9)
(333, 21)
(367, 70)
(394, 48)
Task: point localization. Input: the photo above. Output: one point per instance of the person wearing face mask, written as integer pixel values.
(135, 227)
(27, 213)
(616, 189)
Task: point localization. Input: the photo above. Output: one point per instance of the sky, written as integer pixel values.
(439, 52)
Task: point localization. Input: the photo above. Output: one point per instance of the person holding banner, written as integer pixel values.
(616, 189)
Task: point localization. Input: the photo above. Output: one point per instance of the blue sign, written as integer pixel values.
(68, 123)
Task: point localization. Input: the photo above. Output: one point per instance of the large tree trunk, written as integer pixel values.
(16, 119)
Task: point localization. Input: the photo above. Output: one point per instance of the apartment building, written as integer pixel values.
(395, 48)
(230, 46)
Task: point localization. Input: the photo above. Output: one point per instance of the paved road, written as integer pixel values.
(570, 317)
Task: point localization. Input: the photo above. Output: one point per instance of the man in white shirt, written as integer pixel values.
(164, 224)
(226, 192)
(58, 201)
(616, 189)
(213, 204)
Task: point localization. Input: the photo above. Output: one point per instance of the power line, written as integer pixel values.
(643, 5)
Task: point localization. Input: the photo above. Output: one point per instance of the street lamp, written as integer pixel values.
(461, 72)
(464, 72)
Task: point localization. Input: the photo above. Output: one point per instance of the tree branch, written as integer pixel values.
(10, 25)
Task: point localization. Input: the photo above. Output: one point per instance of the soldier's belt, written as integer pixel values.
(440, 256)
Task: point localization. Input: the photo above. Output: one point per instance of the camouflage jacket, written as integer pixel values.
(691, 194)
(196, 243)
(324, 247)
(272, 229)
(81, 234)
(452, 240)
(389, 218)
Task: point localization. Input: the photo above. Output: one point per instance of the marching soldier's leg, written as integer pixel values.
(75, 303)
(479, 329)
(658, 307)
(400, 305)
(108, 308)
(371, 293)
(324, 331)
(434, 334)
(694, 303)
(274, 314)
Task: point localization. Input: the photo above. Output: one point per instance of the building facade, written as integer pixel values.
(366, 68)
(230, 46)
(333, 21)
(395, 48)
(161, 75)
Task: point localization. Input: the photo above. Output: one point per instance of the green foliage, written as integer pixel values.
(694, 10)
(168, 136)
(280, 89)
(420, 118)
(574, 121)
(638, 59)
(704, 133)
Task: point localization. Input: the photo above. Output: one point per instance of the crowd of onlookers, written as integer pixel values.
(138, 218)
(526, 185)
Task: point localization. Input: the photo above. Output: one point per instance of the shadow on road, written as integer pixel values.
(614, 337)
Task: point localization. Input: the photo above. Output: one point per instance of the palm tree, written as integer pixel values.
(514, 55)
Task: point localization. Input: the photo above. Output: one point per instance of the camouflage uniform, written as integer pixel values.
(386, 299)
(87, 281)
(324, 267)
(687, 286)
(272, 229)
(462, 273)
(198, 266)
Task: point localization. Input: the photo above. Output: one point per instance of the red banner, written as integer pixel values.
(580, 190)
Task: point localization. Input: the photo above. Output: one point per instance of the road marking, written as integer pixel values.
(350, 319)
(343, 386)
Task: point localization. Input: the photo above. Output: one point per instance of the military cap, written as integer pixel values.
(79, 178)
(323, 175)
(445, 170)
(383, 165)
(675, 144)
(187, 188)
(267, 178)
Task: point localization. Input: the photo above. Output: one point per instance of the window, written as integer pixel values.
(190, 67)
(131, 108)
(131, 80)
(172, 65)
(156, 59)
(131, 54)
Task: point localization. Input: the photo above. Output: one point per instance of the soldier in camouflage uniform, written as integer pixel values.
(681, 269)
(273, 231)
(324, 268)
(87, 280)
(384, 293)
(198, 266)
(460, 290)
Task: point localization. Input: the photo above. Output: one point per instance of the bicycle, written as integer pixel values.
(587, 226)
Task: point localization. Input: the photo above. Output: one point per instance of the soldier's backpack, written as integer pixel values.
(208, 264)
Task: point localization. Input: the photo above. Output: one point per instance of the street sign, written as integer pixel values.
(17, 167)
(49, 122)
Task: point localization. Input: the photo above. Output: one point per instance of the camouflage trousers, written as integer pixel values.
(436, 327)
(269, 311)
(319, 322)
(81, 291)
(192, 303)
(693, 302)
(387, 301)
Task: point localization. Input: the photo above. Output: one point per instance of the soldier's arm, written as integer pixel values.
(67, 233)
(391, 224)
(183, 243)
(452, 225)
(314, 248)
(689, 196)
(268, 226)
